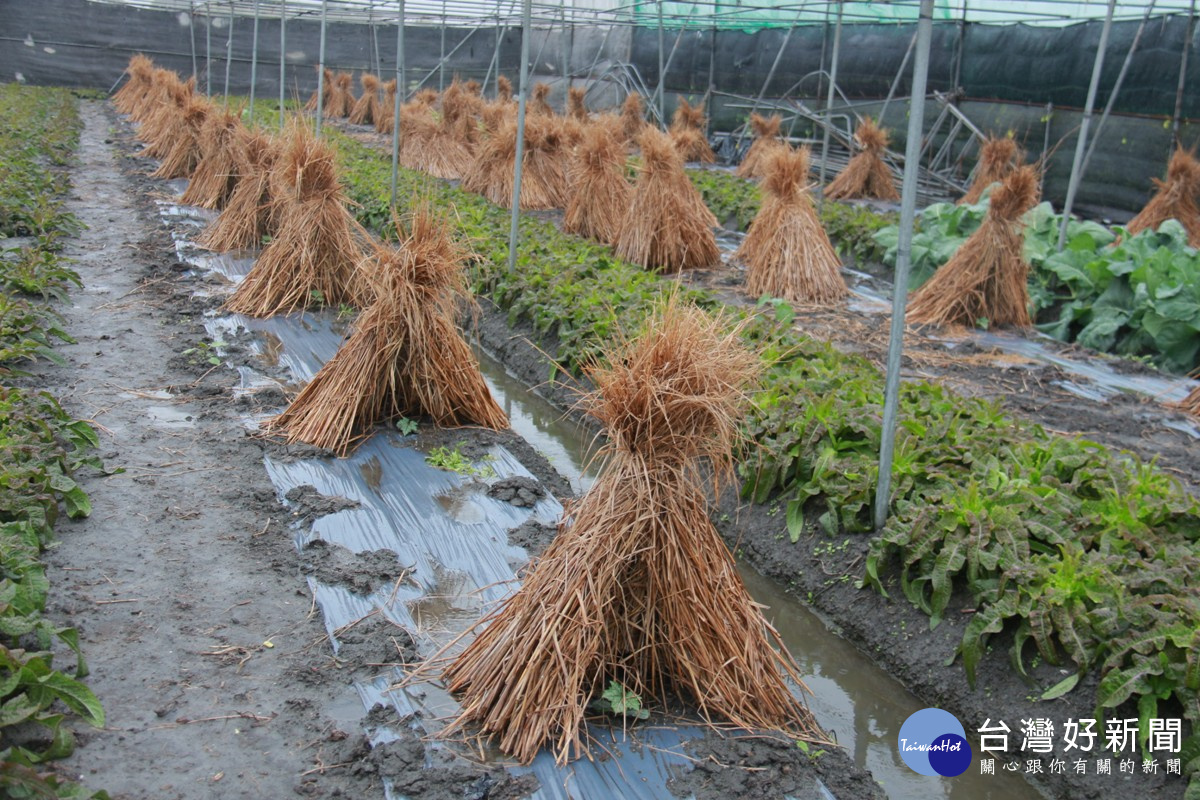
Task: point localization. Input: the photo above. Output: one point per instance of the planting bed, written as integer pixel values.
(241, 640)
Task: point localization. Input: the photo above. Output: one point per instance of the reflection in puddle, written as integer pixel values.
(372, 472)
(450, 605)
(457, 503)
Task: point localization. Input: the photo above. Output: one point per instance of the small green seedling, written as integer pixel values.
(620, 702)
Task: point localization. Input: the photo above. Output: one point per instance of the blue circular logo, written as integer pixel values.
(933, 742)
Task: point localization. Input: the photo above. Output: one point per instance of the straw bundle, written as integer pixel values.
(766, 140)
(666, 226)
(246, 218)
(633, 118)
(386, 121)
(576, 105)
(1191, 403)
(866, 175)
(163, 114)
(474, 88)
(986, 278)
(503, 89)
(998, 156)
(317, 243)
(341, 98)
(460, 110)
(1175, 199)
(141, 75)
(692, 145)
(367, 109)
(786, 250)
(543, 181)
(537, 101)
(327, 89)
(404, 356)
(184, 155)
(637, 586)
(431, 147)
(599, 193)
(688, 116)
(216, 175)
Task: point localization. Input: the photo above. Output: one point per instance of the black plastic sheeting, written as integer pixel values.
(84, 44)
(1015, 63)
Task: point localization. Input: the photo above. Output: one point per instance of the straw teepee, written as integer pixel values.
(216, 175)
(386, 121)
(687, 133)
(246, 218)
(599, 192)
(786, 250)
(866, 175)
(316, 245)
(367, 108)
(504, 90)
(404, 356)
(341, 98)
(327, 89)
(637, 586)
(538, 103)
(141, 77)
(1175, 199)
(184, 153)
(766, 139)
(543, 181)
(576, 105)
(987, 277)
(633, 117)
(666, 226)
(998, 156)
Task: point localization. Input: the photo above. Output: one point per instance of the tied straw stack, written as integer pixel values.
(866, 175)
(998, 157)
(786, 250)
(599, 192)
(987, 277)
(404, 356)
(1175, 199)
(766, 139)
(637, 586)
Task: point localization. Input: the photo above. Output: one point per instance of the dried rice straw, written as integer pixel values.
(866, 175)
(1175, 199)
(998, 156)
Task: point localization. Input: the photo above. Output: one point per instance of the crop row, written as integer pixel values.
(41, 446)
(1088, 556)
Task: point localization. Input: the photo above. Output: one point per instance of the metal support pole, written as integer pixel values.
(442, 54)
(321, 70)
(662, 114)
(837, 46)
(958, 55)
(207, 50)
(562, 44)
(282, 58)
(522, 94)
(1183, 65)
(254, 62)
(1116, 90)
(908, 207)
(400, 93)
(228, 57)
(896, 81)
(1081, 144)
(496, 52)
(192, 32)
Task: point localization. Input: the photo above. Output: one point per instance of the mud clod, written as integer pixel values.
(361, 573)
(522, 492)
(308, 504)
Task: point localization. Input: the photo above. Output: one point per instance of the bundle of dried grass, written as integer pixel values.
(688, 116)
(544, 179)
(327, 89)
(766, 140)
(504, 90)
(367, 109)
(786, 251)
(633, 118)
(428, 145)
(987, 277)
(866, 175)
(404, 356)
(1175, 199)
(461, 109)
(164, 113)
(217, 174)
(538, 104)
(386, 121)
(247, 216)
(666, 226)
(576, 103)
(599, 193)
(637, 586)
(141, 76)
(692, 145)
(341, 97)
(184, 154)
(474, 87)
(317, 243)
(998, 156)
(1191, 403)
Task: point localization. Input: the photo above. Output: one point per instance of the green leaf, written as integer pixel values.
(1062, 687)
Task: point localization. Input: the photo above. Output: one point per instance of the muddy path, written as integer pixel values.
(194, 582)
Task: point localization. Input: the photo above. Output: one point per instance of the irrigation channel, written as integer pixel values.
(456, 538)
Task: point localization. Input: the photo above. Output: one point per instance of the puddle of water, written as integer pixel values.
(169, 417)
